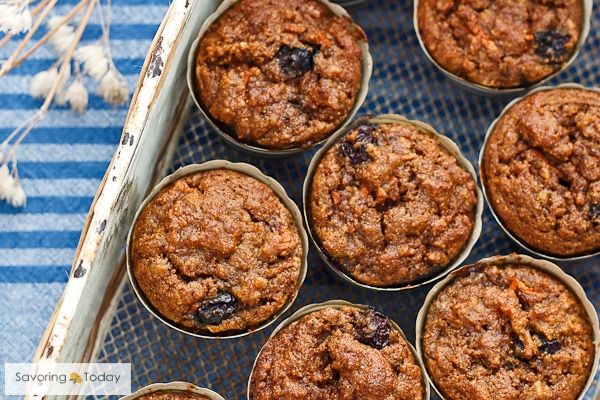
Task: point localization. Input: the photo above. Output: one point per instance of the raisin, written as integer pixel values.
(551, 45)
(595, 213)
(295, 61)
(355, 148)
(215, 310)
(374, 329)
(549, 346)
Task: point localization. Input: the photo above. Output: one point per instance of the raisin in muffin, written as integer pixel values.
(540, 169)
(216, 251)
(279, 74)
(389, 204)
(502, 43)
(505, 328)
(337, 351)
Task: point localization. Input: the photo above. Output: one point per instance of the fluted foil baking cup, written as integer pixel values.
(337, 303)
(173, 387)
(542, 265)
(246, 169)
(367, 70)
(447, 143)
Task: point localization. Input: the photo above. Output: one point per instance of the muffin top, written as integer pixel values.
(500, 43)
(390, 205)
(337, 353)
(541, 171)
(216, 251)
(279, 74)
(507, 332)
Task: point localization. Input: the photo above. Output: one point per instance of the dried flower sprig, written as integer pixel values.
(15, 16)
(56, 84)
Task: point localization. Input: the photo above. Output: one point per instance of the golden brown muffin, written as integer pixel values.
(541, 171)
(500, 43)
(390, 205)
(507, 332)
(279, 74)
(216, 252)
(337, 353)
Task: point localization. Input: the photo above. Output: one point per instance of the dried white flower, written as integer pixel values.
(15, 17)
(60, 98)
(10, 188)
(63, 37)
(42, 82)
(19, 198)
(77, 95)
(113, 88)
(93, 59)
(6, 182)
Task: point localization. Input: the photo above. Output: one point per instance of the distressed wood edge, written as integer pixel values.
(150, 81)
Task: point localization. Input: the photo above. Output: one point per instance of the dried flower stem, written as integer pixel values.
(47, 36)
(22, 131)
(8, 65)
(69, 55)
(26, 126)
(112, 87)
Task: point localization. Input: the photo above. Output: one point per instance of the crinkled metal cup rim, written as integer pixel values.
(505, 92)
(448, 144)
(338, 303)
(246, 169)
(492, 126)
(543, 265)
(177, 387)
(367, 70)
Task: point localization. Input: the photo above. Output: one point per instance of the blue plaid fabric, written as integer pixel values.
(61, 164)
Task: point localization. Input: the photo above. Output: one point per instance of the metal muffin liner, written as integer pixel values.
(310, 308)
(248, 170)
(504, 92)
(526, 247)
(367, 69)
(447, 143)
(173, 387)
(542, 265)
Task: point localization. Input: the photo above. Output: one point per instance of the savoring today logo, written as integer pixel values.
(67, 379)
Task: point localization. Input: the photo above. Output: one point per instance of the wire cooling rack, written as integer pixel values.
(403, 82)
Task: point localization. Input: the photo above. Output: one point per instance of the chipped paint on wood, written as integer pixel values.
(156, 63)
(79, 271)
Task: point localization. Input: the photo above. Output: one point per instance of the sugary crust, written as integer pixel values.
(500, 43)
(273, 101)
(541, 171)
(507, 332)
(215, 232)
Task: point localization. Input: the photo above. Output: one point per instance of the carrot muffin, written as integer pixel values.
(337, 353)
(390, 205)
(500, 43)
(216, 252)
(540, 169)
(507, 332)
(279, 74)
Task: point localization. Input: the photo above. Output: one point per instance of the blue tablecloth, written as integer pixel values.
(61, 164)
